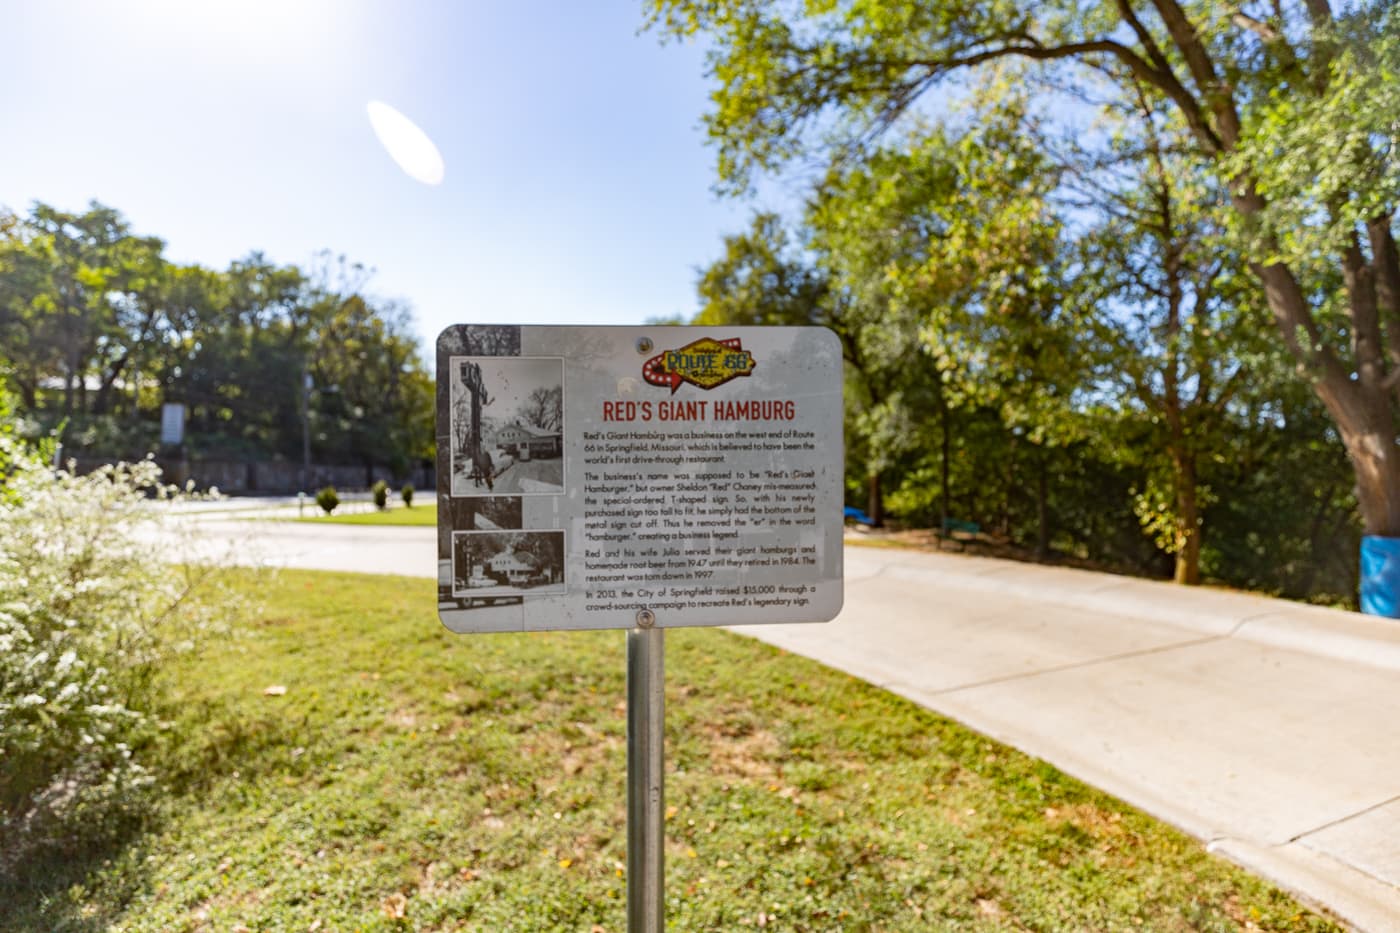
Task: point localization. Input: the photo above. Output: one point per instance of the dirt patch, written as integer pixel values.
(980, 544)
(751, 757)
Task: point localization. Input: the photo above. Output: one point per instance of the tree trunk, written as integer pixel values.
(1008, 487)
(947, 445)
(1188, 523)
(1042, 510)
(1368, 433)
(875, 502)
(1361, 407)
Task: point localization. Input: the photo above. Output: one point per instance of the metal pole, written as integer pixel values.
(305, 426)
(646, 804)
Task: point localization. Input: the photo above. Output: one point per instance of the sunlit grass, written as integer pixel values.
(417, 515)
(408, 778)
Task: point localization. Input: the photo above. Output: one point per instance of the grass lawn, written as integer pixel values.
(398, 515)
(410, 779)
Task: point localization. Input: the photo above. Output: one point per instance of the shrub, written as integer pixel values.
(380, 491)
(327, 499)
(407, 493)
(86, 620)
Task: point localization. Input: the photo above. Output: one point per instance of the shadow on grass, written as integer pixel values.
(225, 745)
(80, 886)
(82, 880)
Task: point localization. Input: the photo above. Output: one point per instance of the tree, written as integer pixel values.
(75, 303)
(544, 408)
(763, 278)
(950, 247)
(89, 305)
(1178, 334)
(1292, 105)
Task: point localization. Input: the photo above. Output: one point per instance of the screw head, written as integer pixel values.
(645, 618)
(644, 345)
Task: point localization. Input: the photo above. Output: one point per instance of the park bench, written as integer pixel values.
(951, 525)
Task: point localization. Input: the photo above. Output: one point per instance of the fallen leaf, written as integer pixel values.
(276, 690)
(394, 906)
(565, 862)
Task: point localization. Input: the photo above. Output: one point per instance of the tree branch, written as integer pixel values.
(1141, 68)
(1260, 28)
(1385, 259)
(1365, 321)
(1188, 41)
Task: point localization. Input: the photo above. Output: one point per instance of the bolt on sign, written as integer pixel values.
(587, 474)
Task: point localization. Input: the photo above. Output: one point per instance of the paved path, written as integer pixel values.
(1265, 728)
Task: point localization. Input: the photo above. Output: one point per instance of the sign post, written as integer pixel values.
(638, 478)
(646, 777)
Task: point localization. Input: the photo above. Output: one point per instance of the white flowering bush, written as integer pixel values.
(88, 612)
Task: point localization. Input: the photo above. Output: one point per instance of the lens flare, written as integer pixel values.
(407, 145)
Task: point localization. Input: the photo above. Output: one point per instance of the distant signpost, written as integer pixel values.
(172, 424)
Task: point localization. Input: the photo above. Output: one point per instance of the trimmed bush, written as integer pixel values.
(380, 491)
(327, 499)
(407, 493)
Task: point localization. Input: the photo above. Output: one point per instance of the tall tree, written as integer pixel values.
(1292, 104)
(951, 238)
(72, 285)
(764, 278)
(1179, 335)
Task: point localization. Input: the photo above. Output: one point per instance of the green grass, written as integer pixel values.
(398, 515)
(477, 783)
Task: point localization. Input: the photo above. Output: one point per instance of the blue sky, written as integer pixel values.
(577, 185)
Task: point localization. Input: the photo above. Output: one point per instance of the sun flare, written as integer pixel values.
(407, 145)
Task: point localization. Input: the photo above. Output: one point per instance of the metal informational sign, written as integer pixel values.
(638, 478)
(588, 475)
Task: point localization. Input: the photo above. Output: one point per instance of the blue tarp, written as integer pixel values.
(1380, 576)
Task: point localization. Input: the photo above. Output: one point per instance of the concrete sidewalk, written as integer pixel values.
(1266, 728)
(1263, 727)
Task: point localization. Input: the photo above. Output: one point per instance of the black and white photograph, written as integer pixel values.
(507, 426)
(494, 565)
(485, 513)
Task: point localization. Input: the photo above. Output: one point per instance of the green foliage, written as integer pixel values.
(413, 779)
(86, 302)
(87, 623)
(327, 499)
(380, 493)
(407, 493)
(1041, 233)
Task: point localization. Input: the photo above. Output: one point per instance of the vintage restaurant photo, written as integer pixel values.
(507, 426)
